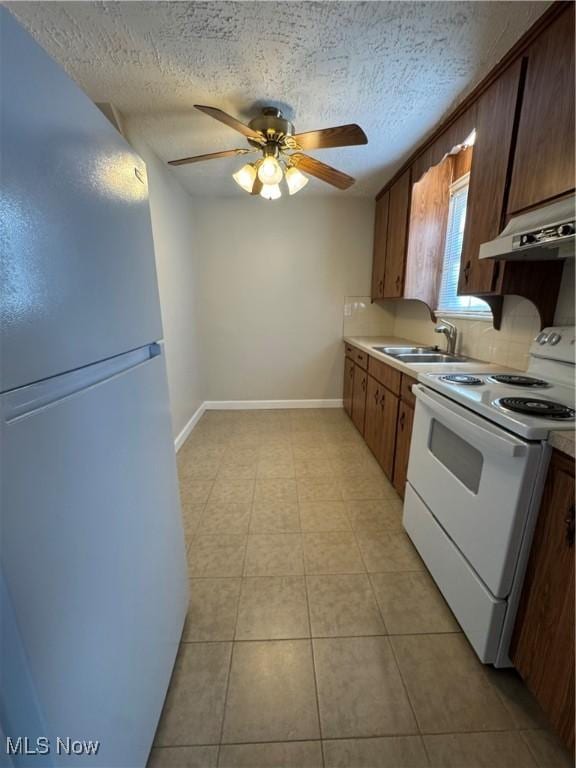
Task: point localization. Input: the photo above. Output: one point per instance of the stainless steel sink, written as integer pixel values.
(431, 357)
(395, 351)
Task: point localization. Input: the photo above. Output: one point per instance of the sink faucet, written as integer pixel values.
(451, 333)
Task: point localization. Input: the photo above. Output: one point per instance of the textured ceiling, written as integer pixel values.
(395, 68)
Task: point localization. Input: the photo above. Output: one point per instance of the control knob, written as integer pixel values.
(542, 338)
(554, 338)
(528, 239)
(565, 229)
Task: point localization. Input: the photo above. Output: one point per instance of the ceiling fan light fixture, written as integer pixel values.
(245, 177)
(295, 180)
(270, 171)
(270, 192)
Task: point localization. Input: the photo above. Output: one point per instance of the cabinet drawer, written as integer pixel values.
(406, 389)
(385, 374)
(359, 357)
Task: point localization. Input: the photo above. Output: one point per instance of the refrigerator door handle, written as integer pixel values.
(22, 402)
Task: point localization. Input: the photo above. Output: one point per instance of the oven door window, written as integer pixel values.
(459, 457)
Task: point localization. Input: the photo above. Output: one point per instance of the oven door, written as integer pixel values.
(477, 480)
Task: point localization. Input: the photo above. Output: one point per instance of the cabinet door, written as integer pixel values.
(398, 211)
(490, 160)
(388, 415)
(542, 647)
(379, 252)
(403, 435)
(544, 156)
(348, 385)
(359, 397)
(372, 421)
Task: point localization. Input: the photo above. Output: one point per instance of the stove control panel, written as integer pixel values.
(555, 344)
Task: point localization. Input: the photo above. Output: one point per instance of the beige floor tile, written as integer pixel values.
(195, 491)
(275, 517)
(201, 452)
(313, 468)
(412, 604)
(183, 757)
(212, 610)
(270, 554)
(228, 491)
(197, 469)
(356, 468)
(332, 553)
(275, 490)
(388, 551)
(194, 705)
(478, 750)
(191, 516)
(547, 750)
(342, 605)
(234, 456)
(271, 695)
(269, 468)
(216, 555)
(318, 516)
(278, 450)
(517, 699)
(233, 471)
(366, 488)
(375, 514)
(387, 752)
(313, 451)
(360, 691)
(288, 754)
(220, 517)
(273, 608)
(309, 439)
(447, 685)
(318, 489)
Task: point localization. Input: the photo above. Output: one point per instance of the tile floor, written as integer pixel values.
(315, 636)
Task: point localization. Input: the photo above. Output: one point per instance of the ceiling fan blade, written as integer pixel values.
(230, 121)
(210, 156)
(321, 171)
(339, 136)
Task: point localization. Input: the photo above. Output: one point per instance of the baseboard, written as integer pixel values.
(264, 405)
(182, 436)
(248, 405)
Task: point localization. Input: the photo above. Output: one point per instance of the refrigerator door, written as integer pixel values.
(78, 272)
(93, 558)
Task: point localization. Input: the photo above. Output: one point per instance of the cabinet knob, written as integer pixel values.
(401, 421)
(381, 286)
(363, 384)
(398, 279)
(467, 271)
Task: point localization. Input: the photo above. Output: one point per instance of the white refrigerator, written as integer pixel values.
(93, 583)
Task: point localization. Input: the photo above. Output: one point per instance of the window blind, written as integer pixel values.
(449, 301)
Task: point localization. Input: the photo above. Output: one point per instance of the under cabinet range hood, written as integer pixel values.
(546, 233)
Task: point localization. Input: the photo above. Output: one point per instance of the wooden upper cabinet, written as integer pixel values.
(398, 212)
(544, 157)
(379, 253)
(486, 194)
(542, 646)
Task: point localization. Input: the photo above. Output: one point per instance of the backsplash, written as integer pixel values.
(476, 338)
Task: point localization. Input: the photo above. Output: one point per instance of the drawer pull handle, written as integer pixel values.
(570, 523)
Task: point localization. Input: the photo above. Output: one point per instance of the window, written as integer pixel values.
(449, 302)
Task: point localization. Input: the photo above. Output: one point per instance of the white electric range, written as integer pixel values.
(478, 460)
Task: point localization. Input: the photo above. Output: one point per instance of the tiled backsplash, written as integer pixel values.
(476, 338)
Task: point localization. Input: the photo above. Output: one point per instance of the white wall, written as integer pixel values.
(273, 277)
(177, 257)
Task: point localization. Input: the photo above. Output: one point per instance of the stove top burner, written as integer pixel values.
(462, 378)
(534, 407)
(518, 381)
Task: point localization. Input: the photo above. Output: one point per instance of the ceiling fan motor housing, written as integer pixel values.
(272, 124)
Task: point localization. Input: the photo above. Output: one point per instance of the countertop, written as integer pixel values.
(367, 344)
(562, 440)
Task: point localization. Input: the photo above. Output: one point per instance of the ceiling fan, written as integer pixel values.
(273, 136)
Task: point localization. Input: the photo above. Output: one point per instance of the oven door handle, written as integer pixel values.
(470, 426)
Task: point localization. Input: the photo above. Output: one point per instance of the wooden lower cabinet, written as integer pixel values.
(380, 424)
(359, 397)
(542, 646)
(402, 453)
(348, 385)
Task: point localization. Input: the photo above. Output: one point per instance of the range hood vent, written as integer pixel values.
(546, 233)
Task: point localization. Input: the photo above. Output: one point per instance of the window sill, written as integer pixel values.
(486, 317)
